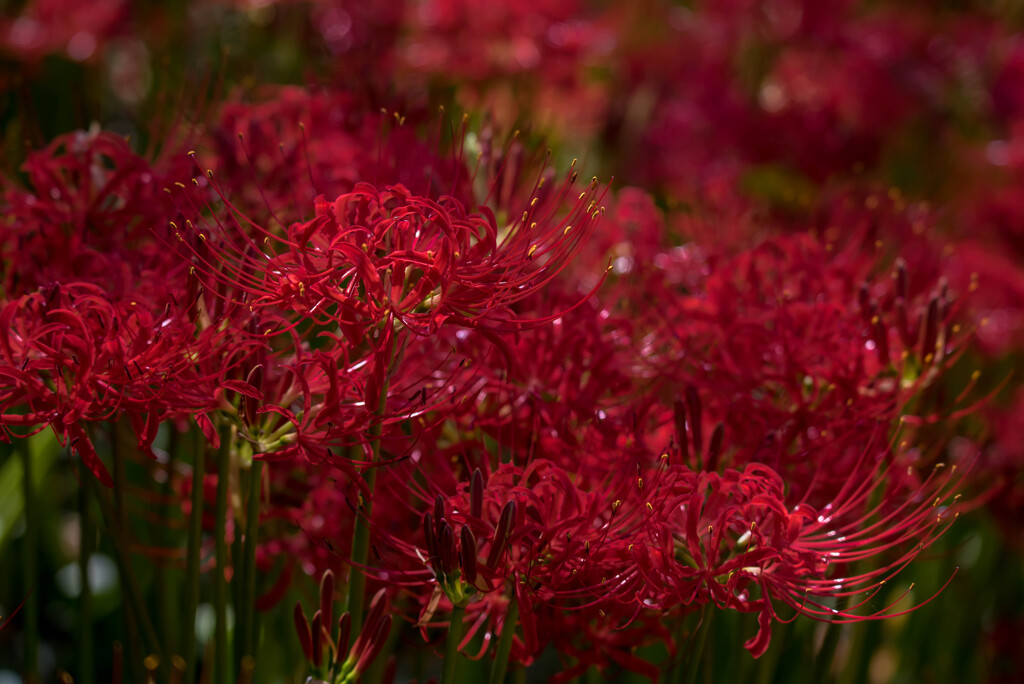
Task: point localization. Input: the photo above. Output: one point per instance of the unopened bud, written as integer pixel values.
(476, 494)
(502, 531)
(468, 555)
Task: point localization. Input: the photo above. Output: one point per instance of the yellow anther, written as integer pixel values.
(650, 507)
(532, 250)
(566, 231)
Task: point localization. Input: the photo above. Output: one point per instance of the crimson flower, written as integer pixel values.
(376, 253)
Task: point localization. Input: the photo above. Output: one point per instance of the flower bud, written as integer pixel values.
(501, 533)
(302, 629)
(468, 555)
(476, 494)
(448, 552)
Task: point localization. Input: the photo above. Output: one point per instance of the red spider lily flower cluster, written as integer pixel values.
(452, 375)
(345, 663)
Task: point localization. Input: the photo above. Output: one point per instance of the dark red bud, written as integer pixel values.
(318, 640)
(374, 644)
(378, 606)
(433, 552)
(882, 341)
(327, 598)
(449, 554)
(476, 494)
(302, 629)
(438, 514)
(468, 555)
(502, 531)
(715, 449)
(344, 630)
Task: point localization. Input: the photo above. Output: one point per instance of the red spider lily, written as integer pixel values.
(798, 349)
(373, 254)
(72, 355)
(716, 537)
(89, 193)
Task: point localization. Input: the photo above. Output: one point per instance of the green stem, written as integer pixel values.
(252, 523)
(168, 591)
(700, 638)
(360, 553)
(504, 648)
(29, 566)
(135, 610)
(451, 646)
(827, 654)
(220, 585)
(361, 534)
(192, 558)
(86, 674)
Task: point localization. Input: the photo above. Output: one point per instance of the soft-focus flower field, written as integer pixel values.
(566, 340)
